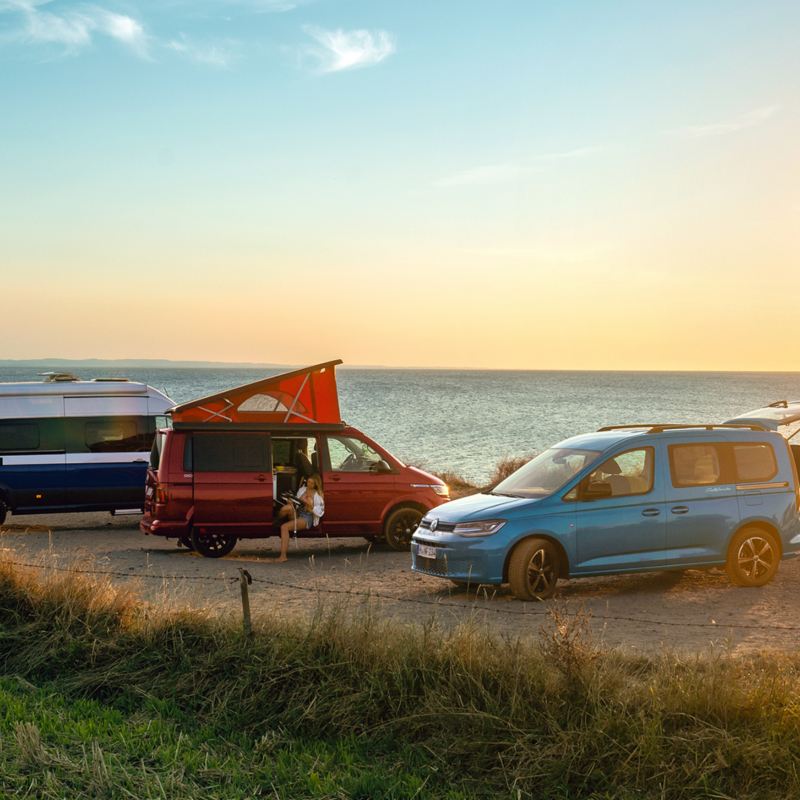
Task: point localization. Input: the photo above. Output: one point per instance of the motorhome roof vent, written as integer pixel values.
(59, 377)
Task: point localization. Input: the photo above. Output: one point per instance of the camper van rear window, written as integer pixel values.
(17, 437)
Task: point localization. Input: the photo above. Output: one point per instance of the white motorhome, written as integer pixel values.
(73, 445)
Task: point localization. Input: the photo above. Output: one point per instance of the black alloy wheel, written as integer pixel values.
(212, 544)
(400, 527)
(753, 557)
(534, 569)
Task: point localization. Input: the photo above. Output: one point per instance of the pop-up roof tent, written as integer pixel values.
(304, 397)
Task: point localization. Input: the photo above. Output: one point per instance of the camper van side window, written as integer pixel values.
(234, 452)
(18, 436)
(111, 436)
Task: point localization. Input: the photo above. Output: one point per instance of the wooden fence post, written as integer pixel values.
(245, 579)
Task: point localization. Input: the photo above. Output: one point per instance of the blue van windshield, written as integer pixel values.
(546, 473)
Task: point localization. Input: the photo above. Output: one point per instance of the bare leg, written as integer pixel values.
(286, 531)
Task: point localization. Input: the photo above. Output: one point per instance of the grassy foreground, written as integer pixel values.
(102, 697)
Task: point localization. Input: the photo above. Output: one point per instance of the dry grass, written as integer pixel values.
(552, 718)
(461, 487)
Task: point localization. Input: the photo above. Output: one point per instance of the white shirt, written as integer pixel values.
(319, 504)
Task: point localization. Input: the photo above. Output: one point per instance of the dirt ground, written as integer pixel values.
(692, 611)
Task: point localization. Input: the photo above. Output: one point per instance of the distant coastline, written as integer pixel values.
(136, 362)
(166, 363)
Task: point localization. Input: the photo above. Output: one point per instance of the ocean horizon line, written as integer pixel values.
(140, 363)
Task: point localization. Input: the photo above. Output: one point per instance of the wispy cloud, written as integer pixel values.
(74, 28)
(747, 120)
(339, 50)
(214, 54)
(510, 171)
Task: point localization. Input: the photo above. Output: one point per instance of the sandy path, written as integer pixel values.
(691, 611)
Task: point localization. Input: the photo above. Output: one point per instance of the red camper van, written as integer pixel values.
(220, 473)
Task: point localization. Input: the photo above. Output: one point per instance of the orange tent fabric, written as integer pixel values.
(304, 396)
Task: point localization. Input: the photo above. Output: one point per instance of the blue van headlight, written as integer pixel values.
(480, 527)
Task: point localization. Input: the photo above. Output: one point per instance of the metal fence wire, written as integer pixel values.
(540, 610)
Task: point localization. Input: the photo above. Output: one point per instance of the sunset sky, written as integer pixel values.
(533, 185)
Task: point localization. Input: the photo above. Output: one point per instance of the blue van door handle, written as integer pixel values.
(680, 509)
(651, 512)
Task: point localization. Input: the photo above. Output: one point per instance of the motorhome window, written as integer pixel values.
(18, 436)
(351, 455)
(755, 462)
(231, 452)
(112, 436)
(696, 465)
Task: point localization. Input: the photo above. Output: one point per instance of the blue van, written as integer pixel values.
(72, 445)
(624, 499)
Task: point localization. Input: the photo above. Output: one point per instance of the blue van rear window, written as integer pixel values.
(714, 464)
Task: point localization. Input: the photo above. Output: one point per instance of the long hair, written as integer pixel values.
(317, 484)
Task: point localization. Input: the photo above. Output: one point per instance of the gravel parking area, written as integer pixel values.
(692, 611)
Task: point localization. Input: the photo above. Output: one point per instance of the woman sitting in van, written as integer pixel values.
(304, 518)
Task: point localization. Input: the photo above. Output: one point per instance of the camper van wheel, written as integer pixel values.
(211, 544)
(186, 541)
(400, 526)
(3, 511)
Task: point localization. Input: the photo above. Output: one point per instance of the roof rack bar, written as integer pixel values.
(660, 427)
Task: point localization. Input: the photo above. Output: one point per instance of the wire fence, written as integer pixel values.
(475, 603)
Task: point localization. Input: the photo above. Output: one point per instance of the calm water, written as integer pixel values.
(467, 421)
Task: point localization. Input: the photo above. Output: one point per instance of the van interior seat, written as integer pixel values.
(615, 479)
(638, 484)
(706, 471)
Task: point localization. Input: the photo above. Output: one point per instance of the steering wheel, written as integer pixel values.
(352, 461)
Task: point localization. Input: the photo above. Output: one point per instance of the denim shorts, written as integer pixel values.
(307, 516)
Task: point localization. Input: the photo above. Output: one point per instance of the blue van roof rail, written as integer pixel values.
(659, 428)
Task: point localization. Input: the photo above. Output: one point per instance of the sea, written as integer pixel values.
(466, 421)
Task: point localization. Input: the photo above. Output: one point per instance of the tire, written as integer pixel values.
(534, 569)
(186, 541)
(399, 527)
(3, 511)
(211, 544)
(753, 557)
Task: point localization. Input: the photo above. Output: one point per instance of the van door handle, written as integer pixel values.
(680, 509)
(651, 512)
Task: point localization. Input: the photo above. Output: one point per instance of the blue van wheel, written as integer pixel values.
(534, 569)
(753, 557)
